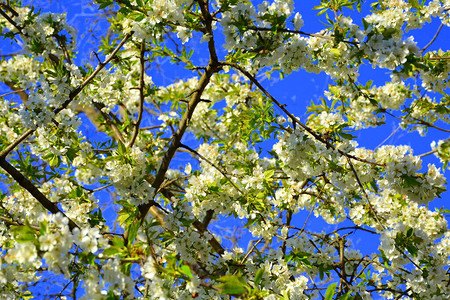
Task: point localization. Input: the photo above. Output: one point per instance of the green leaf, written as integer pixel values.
(345, 297)
(409, 181)
(43, 227)
(111, 251)
(78, 191)
(25, 237)
(54, 161)
(87, 258)
(336, 52)
(116, 248)
(118, 242)
(409, 232)
(23, 234)
(232, 285)
(105, 4)
(269, 174)
(347, 136)
(330, 291)
(258, 276)
(415, 4)
(358, 6)
(132, 231)
(184, 269)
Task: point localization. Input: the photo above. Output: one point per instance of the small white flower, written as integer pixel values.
(298, 21)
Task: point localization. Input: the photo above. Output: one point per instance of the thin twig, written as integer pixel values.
(97, 189)
(214, 166)
(225, 175)
(353, 228)
(150, 127)
(365, 193)
(117, 134)
(439, 58)
(72, 95)
(251, 250)
(141, 96)
(300, 32)
(288, 223)
(293, 118)
(13, 92)
(433, 39)
(427, 153)
(425, 123)
(176, 138)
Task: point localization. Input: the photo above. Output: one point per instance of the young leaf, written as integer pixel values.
(330, 291)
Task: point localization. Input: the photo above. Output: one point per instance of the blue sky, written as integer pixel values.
(296, 90)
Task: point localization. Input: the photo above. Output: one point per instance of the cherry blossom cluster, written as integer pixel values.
(120, 186)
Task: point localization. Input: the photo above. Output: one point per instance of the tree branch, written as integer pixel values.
(141, 96)
(29, 186)
(72, 95)
(433, 39)
(292, 117)
(176, 138)
(254, 28)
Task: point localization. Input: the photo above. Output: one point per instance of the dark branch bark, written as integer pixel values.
(141, 96)
(29, 186)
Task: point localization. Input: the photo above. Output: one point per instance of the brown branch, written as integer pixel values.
(212, 241)
(29, 186)
(15, 223)
(364, 258)
(212, 68)
(214, 166)
(62, 44)
(14, 144)
(365, 193)
(427, 153)
(353, 228)
(117, 134)
(150, 127)
(425, 123)
(288, 223)
(141, 96)
(100, 66)
(22, 180)
(343, 279)
(8, 18)
(72, 95)
(341, 249)
(417, 121)
(256, 243)
(176, 138)
(201, 228)
(433, 39)
(254, 28)
(293, 118)
(18, 90)
(439, 58)
(207, 20)
(208, 217)
(8, 7)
